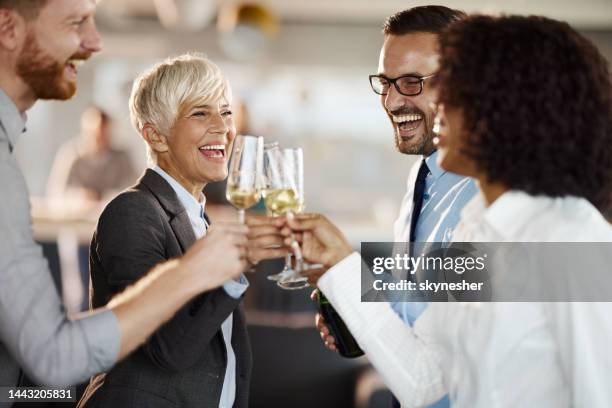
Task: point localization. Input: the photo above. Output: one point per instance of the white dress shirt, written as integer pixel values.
(235, 289)
(492, 354)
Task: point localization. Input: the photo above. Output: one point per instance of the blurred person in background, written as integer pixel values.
(526, 110)
(42, 42)
(201, 357)
(435, 197)
(87, 172)
(90, 168)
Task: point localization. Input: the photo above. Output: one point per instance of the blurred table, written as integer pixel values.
(52, 217)
(64, 228)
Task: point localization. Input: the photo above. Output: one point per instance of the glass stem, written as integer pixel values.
(242, 216)
(288, 262)
(296, 250)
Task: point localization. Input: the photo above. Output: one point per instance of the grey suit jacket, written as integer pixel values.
(183, 363)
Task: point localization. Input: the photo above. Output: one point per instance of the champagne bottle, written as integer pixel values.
(345, 342)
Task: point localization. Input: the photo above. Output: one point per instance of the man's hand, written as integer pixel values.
(265, 240)
(218, 257)
(327, 338)
(322, 242)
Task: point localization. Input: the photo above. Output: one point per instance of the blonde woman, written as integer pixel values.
(201, 358)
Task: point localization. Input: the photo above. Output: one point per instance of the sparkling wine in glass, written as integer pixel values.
(283, 196)
(294, 158)
(279, 191)
(245, 170)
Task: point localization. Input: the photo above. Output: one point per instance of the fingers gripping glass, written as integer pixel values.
(407, 85)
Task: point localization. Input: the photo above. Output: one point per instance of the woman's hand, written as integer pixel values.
(321, 241)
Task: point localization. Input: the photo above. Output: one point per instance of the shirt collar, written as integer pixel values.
(193, 207)
(507, 216)
(432, 164)
(11, 120)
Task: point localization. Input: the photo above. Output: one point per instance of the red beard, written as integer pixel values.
(43, 73)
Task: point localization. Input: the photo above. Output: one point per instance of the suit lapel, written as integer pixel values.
(178, 218)
(183, 230)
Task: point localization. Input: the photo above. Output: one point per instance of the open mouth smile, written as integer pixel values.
(213, 151)
(72, 66)
(407, 124)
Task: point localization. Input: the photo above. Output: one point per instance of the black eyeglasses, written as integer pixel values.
(408, 85)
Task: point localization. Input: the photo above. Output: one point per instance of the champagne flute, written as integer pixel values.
(283, 195)
(245, 169)
(294, 159)
(276, 186)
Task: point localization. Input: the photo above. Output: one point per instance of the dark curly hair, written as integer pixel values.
(536, 102)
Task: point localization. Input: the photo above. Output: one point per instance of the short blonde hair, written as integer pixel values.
(169, 89)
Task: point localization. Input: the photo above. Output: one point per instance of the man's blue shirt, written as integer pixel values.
(445, 196)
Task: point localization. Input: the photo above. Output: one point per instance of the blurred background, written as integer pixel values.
(298, 70)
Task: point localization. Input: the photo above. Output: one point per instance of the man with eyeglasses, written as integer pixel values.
(431, 207)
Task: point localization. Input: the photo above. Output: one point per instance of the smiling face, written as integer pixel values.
(411, 116)
(57, 41)
(196, 150)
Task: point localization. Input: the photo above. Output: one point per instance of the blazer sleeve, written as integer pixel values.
(130, 241)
